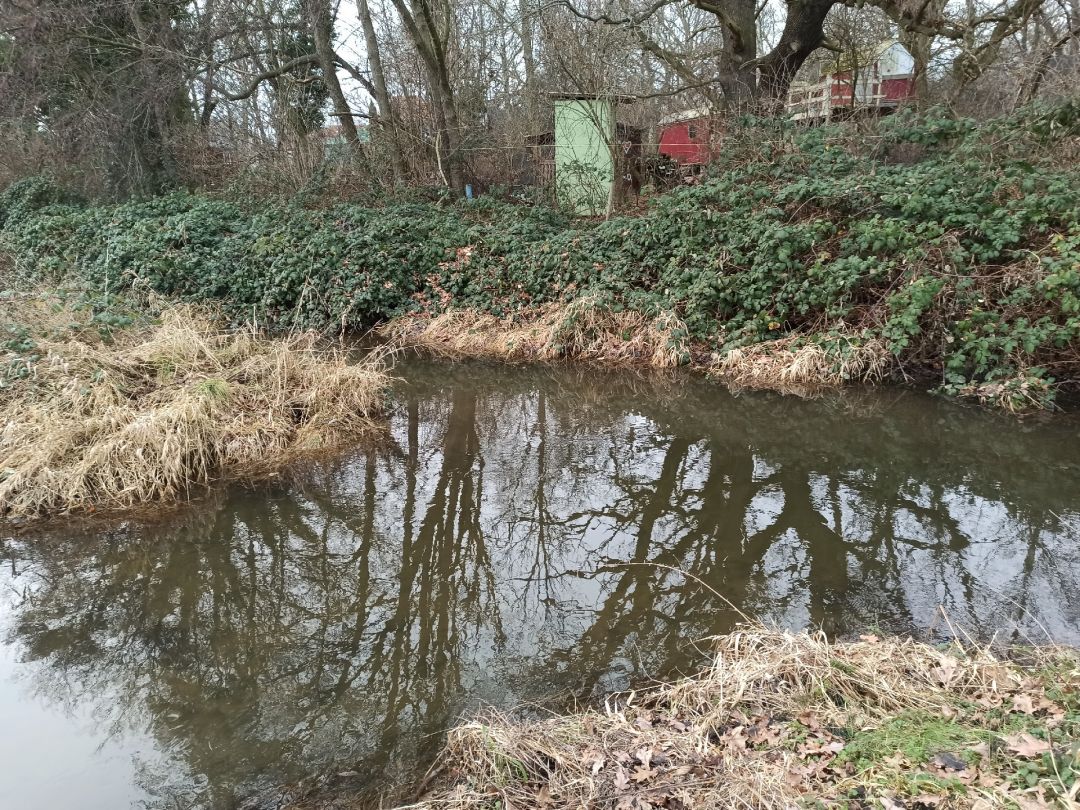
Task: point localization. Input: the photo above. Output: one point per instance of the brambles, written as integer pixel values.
(961, 269)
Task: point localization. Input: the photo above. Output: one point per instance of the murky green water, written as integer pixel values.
(519, 539)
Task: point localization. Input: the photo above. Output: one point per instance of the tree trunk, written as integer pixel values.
(423, 30)
(737, 60)
(919, 46)
(387, 121)
(321, 20)
(802, 35)
(528, 58)
(159, 104)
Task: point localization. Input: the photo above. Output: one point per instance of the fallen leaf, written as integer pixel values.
(543, 797)
(870, 638)
(808, 719)
(644, 756)
(593, 760)
(795, 775)
(643, 774)
(1023, 703)
(735, 739)
(621, 781)
(945, 671)
(1026, 745)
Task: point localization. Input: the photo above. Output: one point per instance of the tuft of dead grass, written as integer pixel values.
(583, 330)
(579, 330)
(783, 720)
(795, 363)
(94, 418)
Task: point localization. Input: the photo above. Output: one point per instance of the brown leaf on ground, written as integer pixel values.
(809, 719)
(735, 739)
(945, 672)
(590, 756)
(1034, 799)
(643, 774)
(621, 781)
(821, 745)
(988, 780)
(796, 775)
(1023, 703)
(927, 800)
(1025, 745)
(543, 797)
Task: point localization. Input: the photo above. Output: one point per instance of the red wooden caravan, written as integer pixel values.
(883, 83)
(686, 136)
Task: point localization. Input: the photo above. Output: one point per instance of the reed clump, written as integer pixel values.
(786, 719)
(584, 330)
(798, 363)
(97, 415)
(579, 330)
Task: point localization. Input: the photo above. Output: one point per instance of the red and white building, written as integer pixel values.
(882, 84)
(688, 137)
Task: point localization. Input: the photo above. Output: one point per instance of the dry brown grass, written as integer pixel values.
(793, 363)
(145, 416)
(583, 331)
(578, 330)
(764, 727)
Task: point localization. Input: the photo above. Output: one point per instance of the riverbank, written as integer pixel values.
(918, 248)
(108, 406)
(785, 719)
(583, 331)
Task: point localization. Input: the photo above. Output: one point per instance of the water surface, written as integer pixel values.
(524, 535)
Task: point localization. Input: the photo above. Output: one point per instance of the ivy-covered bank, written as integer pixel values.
(941, 249)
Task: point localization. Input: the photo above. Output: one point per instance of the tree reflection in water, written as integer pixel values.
(524, 535)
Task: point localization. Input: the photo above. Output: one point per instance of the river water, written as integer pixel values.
(523, 536)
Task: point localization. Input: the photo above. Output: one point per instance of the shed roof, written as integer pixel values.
(615, 97)
(685, 115)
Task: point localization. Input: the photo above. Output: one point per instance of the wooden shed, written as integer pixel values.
(688, 137)
(588, 150)
(879, 85)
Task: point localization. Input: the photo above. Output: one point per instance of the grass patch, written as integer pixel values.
(785, 720)
(579, 330)
(101, 410)
(917, 735)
